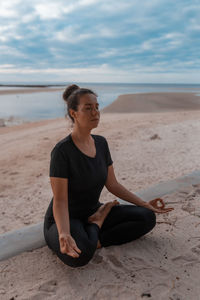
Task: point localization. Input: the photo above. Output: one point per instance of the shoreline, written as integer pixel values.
(30, 90)
(126, 103)
(29, 85)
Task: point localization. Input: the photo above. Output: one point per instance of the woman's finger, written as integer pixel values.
(170, 209)
(166, 210)
(65, 248)
(74, 245)
(72, 253)
(162, 202)
(159, 201)
(154, 203)
(77, 249)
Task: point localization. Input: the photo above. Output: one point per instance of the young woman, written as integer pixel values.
(76, 222)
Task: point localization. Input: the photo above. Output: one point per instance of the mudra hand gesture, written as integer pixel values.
(68, 245)
(154, 205)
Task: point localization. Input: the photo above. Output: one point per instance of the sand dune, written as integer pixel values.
(154, 102)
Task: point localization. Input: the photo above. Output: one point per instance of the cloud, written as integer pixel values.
(71, 35)
(88, 2)
(53, 10)
(102, 73)
(106, 32)
(8, 8)
(114, 7)
(10, 52)
(6, 66)
(164, 43)
(74, 34)
(9, 32)
(108, 53)
(143, 36)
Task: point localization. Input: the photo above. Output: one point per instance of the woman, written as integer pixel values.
(76, 222)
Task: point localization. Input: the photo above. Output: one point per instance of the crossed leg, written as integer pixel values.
(122, 224)
(125, 223)
(84, 232)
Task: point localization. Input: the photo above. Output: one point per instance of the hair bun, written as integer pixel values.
(69, 90)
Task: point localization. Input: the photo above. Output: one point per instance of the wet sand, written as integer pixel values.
(29, 90)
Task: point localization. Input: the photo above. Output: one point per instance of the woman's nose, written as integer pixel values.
(95, 110)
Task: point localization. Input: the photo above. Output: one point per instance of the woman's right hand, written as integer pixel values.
(68, 245)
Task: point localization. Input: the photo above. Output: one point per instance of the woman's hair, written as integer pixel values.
(72, 96)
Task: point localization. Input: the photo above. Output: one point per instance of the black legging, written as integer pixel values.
(123, 224)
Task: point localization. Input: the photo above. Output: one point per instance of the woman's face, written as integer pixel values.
(88, 114)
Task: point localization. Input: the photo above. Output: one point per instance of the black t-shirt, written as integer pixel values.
(86, 175)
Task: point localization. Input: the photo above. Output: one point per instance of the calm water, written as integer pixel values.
(36, 106)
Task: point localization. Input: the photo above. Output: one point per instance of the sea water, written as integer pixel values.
(48, 105)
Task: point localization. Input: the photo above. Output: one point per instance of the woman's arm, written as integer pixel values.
(60, 204)
(61, 216)
(120, 191)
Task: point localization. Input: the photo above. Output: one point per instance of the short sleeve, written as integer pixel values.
(108, 155)
(59, 164)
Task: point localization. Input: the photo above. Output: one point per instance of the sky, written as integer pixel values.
(129, 41)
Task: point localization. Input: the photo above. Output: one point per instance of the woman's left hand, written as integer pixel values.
(153, 205)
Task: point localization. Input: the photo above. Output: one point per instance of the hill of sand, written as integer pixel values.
(154, 102)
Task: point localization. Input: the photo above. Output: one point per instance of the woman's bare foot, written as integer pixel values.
(99, 216)
(98, 244)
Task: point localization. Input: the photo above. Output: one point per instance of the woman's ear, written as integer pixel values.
(72, 113)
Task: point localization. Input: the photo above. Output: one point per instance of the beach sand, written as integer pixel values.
(155, 102)
(29, 90)
(147, 148)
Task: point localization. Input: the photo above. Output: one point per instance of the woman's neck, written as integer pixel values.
(81, 136)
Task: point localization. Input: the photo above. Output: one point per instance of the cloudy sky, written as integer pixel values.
(100, 41)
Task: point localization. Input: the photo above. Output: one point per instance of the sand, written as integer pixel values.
(30, 90)
(147, 148)
(155, 102)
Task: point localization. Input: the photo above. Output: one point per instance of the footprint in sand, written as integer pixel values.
(29, 156)
(97, 259)
(114, 291)
(13, 173)
(160, 289)
(142, 266)
(176, 296)
(49, 286)
(40, 296)
(151, 271)
(45, 290)
(139, 265)
(196, 249)
(5, 171)
(116, 266)
(115, 261)
(185, 260)
(188, 207)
